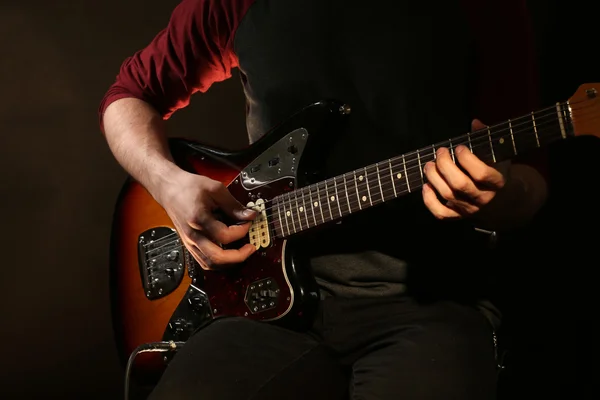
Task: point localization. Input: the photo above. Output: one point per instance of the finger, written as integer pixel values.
(456, 179)
(223, 233)
(439, 185)
(213, 256)
(437, 182)
(228, 204)
(479, 171)
(199, 256)
(433, 204)
(477, 125)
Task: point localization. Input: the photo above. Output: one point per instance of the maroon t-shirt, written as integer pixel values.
(413, 72)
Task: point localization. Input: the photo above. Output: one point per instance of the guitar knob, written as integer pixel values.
(179, 325)
(197, 303)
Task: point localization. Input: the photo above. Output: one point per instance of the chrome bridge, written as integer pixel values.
(161, 261)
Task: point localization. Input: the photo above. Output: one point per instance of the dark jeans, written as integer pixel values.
(359, 349)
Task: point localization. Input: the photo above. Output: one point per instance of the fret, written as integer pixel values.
(541, 129)
(289, 217)
(451, 150)
(284, 212)
(328, 200)
(358, 199)
(392, 177)
(561, 122)
(500, 139)
(425, 156)
(373, 185)
(320, 205)
(548, 127)
(386, 181)
(535, 131)
(434, 152)
(296, 223)
(366, 176)
(347, 195)
(304, 210)
(379, 182)
(491, 145)
(413, 171)
(279, 217)
(524, 134)
(420, 166)
(405, 174)
(512, 136)
(298, 212)
(313, 205)
(469, 140)
(341, 206)
(399, 177)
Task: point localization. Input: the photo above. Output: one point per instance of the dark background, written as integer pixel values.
(59, 184)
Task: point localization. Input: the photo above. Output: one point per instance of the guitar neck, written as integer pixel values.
(342, 195)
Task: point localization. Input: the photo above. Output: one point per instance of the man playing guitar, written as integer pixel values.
(403, 310)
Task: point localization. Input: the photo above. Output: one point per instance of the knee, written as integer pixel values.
(225, 327)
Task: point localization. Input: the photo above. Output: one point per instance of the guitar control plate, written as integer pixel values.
(281, 160)
(193, 311)
(161, 261)
(262, 295)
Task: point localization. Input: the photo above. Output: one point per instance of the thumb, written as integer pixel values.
(477, 125)
(230, 206)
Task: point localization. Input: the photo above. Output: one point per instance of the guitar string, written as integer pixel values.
(354, 203)
(363, 185)
(414, 163)
(304, 222)
(358, 186)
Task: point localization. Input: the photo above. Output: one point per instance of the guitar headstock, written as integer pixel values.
(585, 110)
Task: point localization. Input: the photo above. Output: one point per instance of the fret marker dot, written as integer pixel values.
(332, 198)
(501, 140)
(360, 178)
(301, 209)
(399, 176)
(316, 204)
(288, 213)
(364, 198)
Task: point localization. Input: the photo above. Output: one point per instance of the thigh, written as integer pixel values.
(446, 351)
(235, 358)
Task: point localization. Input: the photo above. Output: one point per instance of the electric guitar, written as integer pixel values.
(161, 293)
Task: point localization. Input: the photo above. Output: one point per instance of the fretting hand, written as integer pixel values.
(463, 192)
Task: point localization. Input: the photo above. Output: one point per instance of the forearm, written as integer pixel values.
(515, 205)
(136, 136)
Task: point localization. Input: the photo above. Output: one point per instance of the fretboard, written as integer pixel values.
(342, 195)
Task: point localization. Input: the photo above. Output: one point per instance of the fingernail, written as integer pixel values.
(248, 212)
(459, 149)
